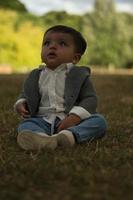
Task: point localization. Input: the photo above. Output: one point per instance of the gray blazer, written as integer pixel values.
(79, 90)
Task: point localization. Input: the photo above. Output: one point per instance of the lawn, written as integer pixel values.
(101, 170)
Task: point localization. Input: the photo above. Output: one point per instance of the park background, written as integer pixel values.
(98, 170)
(109, 34)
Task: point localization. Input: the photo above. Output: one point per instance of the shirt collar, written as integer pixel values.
(67, 66)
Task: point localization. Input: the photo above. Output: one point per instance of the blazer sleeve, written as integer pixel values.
(30, 91)
(22, 92)
(87, 96)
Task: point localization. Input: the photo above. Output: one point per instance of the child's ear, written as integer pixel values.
(76, 58)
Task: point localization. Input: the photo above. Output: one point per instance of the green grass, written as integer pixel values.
(100, 170)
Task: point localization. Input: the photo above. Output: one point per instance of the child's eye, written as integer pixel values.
(62, 43)
(46, 43)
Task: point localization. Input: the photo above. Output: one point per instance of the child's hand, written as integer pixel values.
(69, 121)
(21, 108)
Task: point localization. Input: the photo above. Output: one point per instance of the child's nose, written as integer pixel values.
(53, 45)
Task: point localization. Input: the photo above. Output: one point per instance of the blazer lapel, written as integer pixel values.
(31, 90)
(73, 84)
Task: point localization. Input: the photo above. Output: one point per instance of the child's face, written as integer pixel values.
(58, 48)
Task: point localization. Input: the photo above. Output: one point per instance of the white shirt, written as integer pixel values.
(52, 84)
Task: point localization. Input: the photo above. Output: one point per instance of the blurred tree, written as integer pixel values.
(28, 46)
(53, 18)
(108, 36)
(13, 5)
(104, 6)
(21, 48)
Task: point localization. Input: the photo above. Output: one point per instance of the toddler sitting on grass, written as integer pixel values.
(58, 101)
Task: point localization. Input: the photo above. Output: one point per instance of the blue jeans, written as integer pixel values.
(91, 128)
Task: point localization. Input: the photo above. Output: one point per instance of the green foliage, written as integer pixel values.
(19, 46)
(13, 5)
(104, 6)
(54, 18)
(108, 34)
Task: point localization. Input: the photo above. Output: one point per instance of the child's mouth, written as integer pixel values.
(51, 55)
